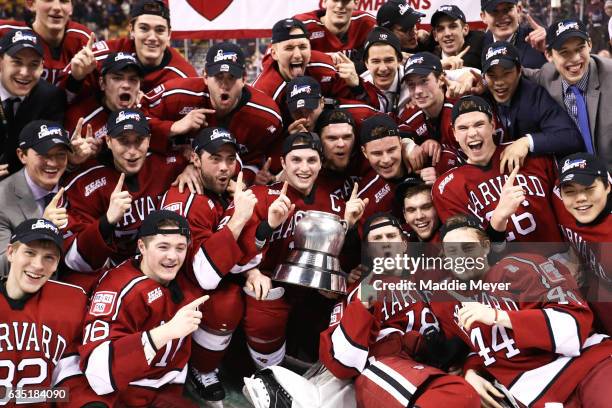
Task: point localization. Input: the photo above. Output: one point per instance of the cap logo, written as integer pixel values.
(225, 56)
(121, 56)
(300, 103)
(43, 224)
(413, 61)
(492, 52)
(53, 131)
(445, 8)
(300, 89)
(216, 133)
(403, 8)
(224, 68)
(572, 164)
(127, 116)
(564, 26)
(20, 36)
(383, 36)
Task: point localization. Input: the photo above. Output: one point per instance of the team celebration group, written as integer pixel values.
(145, 207)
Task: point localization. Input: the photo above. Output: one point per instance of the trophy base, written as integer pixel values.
(311, 277)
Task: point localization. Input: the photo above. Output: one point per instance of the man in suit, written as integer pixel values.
(24, 95)
(32, 192)
(572, 66)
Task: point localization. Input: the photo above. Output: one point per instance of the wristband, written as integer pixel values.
(263, 232)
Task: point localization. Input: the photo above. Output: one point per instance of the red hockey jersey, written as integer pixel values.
(56, 60)
(215, 250)
(40, 337)
(321, 39)
(381, 193)
(124, 307)
(93, 113)
(173, 64)
(550, 348)
(255, 123)
(88, 196)
(471, 189)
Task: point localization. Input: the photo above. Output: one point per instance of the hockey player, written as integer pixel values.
(136, 339)
(62, 37)
(338, 26)
(478, 186)
(582, 205)
(41, 331)
(516, 357)
(108, 202)
(222, 98)
(419, 212)
(216, 251)
(150, 42)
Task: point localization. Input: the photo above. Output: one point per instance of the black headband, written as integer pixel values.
(470, 222)
(165, 231)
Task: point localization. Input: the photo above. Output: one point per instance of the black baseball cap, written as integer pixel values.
(382, 35)
(225, 57)
(334, 115)
(471, 103)
(422, 63)
(490, 5)
(154, 7)
(447, 10)
(500, 53)
(127, 119)
(407, 183)
(302, 140)
(398, 12)
(303, 92)
(38, 229)
(582, 168)
(468, 220)
(212, 138)
(282, 28)
(561, 30)
(150, 225)
(378, 220)
(380, 120)
(16, 40)
(43, 135)
(118, 61)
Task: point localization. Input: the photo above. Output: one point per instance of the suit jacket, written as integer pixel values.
(46, 101)
(17, 206)
(530, 57)
(533, 111)
(598, 99)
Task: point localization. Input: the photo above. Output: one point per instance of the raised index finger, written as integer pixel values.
(119, 185)
(57, 197)
(354, 192)
(239, 184)
(532, 23)
(196, 303)
(462, 53)
(78, 129)
(510, 181)
(90, 41)
(284, 189)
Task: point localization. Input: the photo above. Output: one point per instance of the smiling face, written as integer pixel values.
(502, 82)
(20, 73)
(292, 55)
(450, 34)
(51, 15)
(151, 36)
(385, 156)
(474, 133)
(120, 89)
(503, 21)
(382, 63)
(338, 140)
(302, 167)
(32, 265)
(45, 170)
(427, 92)
(216, 169)
(225, 92)
(162, 255)
(572, 60)
(467, 244)
(420, 214)
(338, 13)
(408, 38)
(585, 203)
(129, 151)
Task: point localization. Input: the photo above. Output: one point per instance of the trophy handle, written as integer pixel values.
(344, 225)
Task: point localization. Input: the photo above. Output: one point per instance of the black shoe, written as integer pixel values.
(263, 391)
(207, 385)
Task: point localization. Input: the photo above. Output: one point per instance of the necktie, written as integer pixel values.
(9, 108)
(583, 119)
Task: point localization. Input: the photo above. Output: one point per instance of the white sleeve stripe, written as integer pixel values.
(74, 260)
(400, 379)
(125, 291)
(67, 367)
(67, 284)
(183, 91)
(266, 109)
(374, 377)
(321, 64)
(346, 352)
(565, 332)
(367, 186)
(211, 341)
(171, 377)
(387, 331)
(188, 204)
(357, 105)
(410, 119)
(98, 370)
(204, 271)
(531, 384)
(81, 175)
(177, 71)
(248, 266)
(87, 118)
(279, 90)
(76, 30)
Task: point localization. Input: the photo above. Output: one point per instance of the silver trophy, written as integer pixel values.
(313, 261)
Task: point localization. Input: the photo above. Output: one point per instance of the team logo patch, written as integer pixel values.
(103, 303)
(154, 295)
(175, 207)
(317, 34)
(551, 272)
(336, 315)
